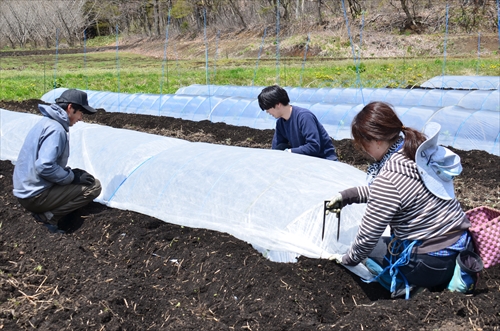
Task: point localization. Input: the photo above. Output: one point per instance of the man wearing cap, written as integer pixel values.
(297, 129)
(43, 183)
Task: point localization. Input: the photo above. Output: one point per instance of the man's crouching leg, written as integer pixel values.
(77, 196)
(59, 200)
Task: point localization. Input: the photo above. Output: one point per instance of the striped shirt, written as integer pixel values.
(398, 198)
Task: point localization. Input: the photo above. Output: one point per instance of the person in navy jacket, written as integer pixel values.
(297, 129)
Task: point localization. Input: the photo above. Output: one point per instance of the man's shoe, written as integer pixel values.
(40, 218)
(53, 228)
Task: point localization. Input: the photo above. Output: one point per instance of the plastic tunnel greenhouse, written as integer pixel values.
(464, 82)
(477, 99)
(224, 188)
(469, 119)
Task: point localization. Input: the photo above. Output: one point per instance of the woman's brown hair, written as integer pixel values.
(378, 121)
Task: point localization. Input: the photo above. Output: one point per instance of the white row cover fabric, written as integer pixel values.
(271, 199)
(478, 100)
(464, 82)
(467, 125)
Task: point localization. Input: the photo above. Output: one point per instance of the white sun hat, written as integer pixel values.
(437, 165)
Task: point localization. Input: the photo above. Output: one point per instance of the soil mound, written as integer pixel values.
(120, 270)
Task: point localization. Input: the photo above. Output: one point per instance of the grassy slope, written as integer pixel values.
(139, 66)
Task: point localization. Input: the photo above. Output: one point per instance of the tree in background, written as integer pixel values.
(34, 23)
(38, 22)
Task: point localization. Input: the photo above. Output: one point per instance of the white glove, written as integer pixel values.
(336, 257)
(335, 204)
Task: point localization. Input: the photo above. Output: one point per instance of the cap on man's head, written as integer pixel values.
(76, 97)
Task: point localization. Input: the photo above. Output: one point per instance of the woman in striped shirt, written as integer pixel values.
(428, 226)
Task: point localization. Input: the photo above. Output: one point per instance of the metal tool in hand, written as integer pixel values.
(326, 210)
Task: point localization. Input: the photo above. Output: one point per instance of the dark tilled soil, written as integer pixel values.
(120, 270)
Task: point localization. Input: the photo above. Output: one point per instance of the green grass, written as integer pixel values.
(29, 77)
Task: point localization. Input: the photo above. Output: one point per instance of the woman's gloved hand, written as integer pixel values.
(335, 204)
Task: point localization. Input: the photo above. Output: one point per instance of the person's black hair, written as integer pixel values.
(64, 105)
(77, 107)
(270, 96)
